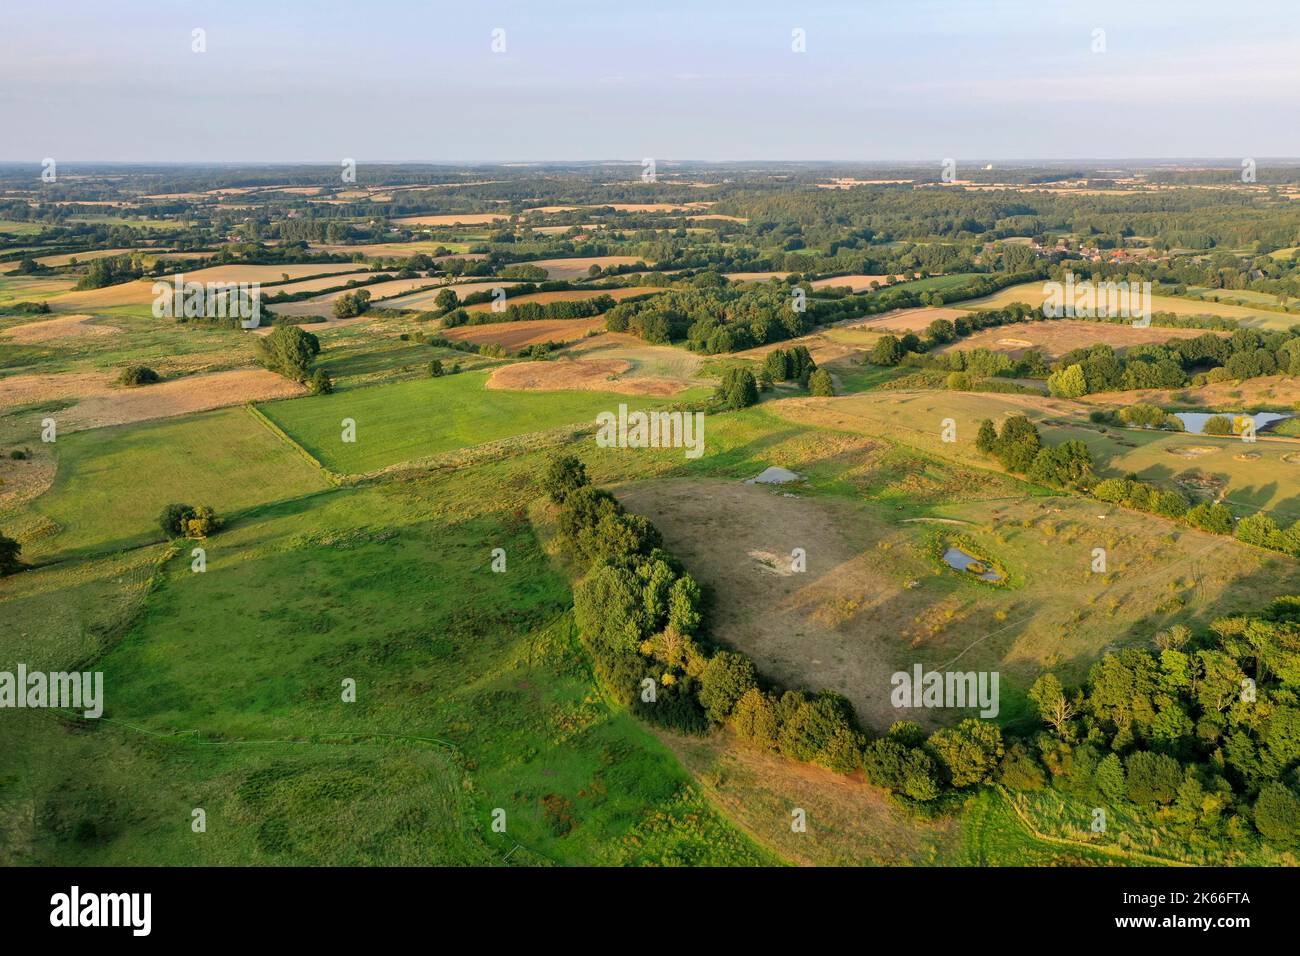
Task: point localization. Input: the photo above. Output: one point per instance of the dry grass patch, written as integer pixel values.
(520, 335)
(66, 327)
(453, 219)
(1055, 337)
(901, 321)
(570, 295)
(578, 268)
(858, 283)
(593, 375)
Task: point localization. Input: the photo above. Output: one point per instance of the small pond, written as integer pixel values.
(959, 560)
(1194, 422)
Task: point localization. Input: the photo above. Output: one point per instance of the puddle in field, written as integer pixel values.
(959, 560)
(774, 476)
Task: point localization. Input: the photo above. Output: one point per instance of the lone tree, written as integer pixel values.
(888, 351)
(446, 300)
(138, 375)
(820, 383)
(288, 350)
(188, 521)
(1048, 697)
(738, 388)
(9, 551)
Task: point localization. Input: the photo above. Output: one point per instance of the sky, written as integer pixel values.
(396, 80)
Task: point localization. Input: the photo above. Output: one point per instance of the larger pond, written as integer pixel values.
(959, 560)
(1194, 422)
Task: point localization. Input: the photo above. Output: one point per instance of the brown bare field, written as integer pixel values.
(101, 404)
(424, 300)
(655, 361)
(907, 320)
(1267, 390)
(374, 250)
(140, 292)
(66, 327)
(452, 219)
(324, 282)
(792, 624)
(753, 276)
(1057, 336)
(872, 602)
(67, 258)
(827, 346)
(571, 295)
(324, 304)
(519, 335)
(595, 375)
(617, 206)
(577, 268)
(858, 283)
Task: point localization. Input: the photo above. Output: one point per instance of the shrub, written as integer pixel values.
(288, 350)
(887, 351)
(435, 369)
(351, 304)
(726, 678)
(188, 521)
(820, 383)
(738, 388)
(1152, 778)
(321, 383)
(564, 474)
(1217, 425)
(134, 375)
(1277, 815)
(9, 555)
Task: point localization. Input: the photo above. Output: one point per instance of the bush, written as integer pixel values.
(134, 375)
(1217, 425)
(436, 369)
(820, 383)
(289, 351)
(1152, 778)
(887, 351)
(9, 556)
(321, 383)
(188, 521)
(564, 474)
(351, 304)
(726, 678)
(738, 388)
(1277, 815)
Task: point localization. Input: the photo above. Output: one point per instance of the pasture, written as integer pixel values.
(416, 419)
(112, 483)
(1032, 294)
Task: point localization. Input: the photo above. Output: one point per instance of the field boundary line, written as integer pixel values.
(1100, 847)
(289, 440)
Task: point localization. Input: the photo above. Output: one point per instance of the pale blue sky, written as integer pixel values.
(293, 80)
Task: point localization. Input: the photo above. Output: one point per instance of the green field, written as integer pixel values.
(113, 482)
(1031, 293)
(415, 419)
(224, 693)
